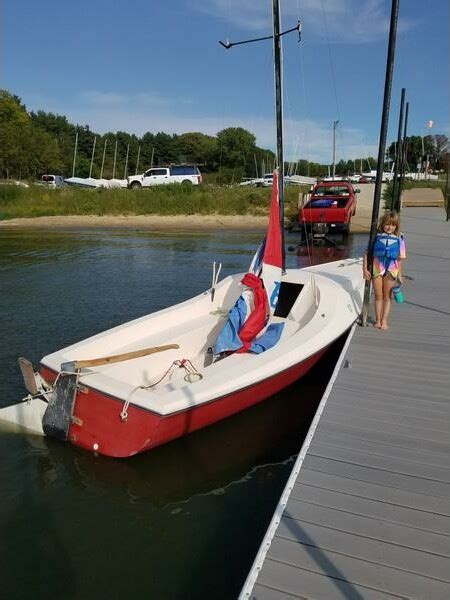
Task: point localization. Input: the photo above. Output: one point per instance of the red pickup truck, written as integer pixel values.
(330, 206)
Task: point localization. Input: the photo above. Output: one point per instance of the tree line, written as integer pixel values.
(34, 143)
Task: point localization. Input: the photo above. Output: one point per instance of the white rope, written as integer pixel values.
(183, 363)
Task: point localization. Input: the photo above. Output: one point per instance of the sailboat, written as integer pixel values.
(146, 382)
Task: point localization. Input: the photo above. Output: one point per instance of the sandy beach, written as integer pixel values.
(155, 222)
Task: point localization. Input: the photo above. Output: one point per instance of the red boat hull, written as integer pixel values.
(97, 426)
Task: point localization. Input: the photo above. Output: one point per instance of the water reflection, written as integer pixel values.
(329, 248)
(184, 520)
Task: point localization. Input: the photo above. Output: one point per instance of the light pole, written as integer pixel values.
(334, 147)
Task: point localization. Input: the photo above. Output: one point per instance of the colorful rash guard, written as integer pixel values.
(387, 251)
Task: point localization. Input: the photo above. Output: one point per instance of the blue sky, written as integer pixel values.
(145, 65)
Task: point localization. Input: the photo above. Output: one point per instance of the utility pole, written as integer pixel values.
(381, 151)
(334, 147)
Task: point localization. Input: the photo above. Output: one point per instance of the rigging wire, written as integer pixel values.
(302, 91)
(333, 78)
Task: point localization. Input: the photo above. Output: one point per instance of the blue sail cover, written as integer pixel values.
(228, 339)
(248, 328)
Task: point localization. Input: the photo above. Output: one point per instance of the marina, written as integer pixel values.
(265, 429)
(365, 512)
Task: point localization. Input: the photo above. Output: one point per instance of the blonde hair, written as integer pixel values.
(389, 218)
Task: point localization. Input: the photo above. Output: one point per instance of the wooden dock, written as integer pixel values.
(366, 511)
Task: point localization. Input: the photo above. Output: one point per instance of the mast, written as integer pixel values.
(276, 37)
(279, 117)
(126, 162)
(75, 154)
(92, 157)
(115, 159)
(103, 159)
(137, 160)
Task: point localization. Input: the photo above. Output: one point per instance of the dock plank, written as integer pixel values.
(366, 513)
(368, 549)
(363, 506)
(369, 527)
(358, 571)
(375, 475)
(373, 491)
(390, 463)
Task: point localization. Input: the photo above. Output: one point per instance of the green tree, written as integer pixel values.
(236, 147)
(167, 148)
(25, 150)
(198, 148)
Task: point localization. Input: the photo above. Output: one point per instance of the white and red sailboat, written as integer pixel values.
(167, 374)
(174, 371)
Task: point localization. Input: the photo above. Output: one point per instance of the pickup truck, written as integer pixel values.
(330, 206)
(186, 175)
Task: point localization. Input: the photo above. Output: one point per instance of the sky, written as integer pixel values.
(147, 65)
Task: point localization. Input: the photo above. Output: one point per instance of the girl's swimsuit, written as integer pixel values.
(387, 250)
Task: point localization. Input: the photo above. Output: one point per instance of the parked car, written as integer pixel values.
(184, 174)
(330, 206)
(52, 181)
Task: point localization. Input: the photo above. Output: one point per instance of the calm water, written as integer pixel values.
(183, 521)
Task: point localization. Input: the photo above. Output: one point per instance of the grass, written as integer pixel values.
(38, 201)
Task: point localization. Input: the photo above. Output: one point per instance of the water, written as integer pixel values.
(183, 521)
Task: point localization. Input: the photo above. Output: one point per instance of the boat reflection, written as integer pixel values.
(322, 250)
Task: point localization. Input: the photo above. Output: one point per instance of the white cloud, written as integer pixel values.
(349, 21)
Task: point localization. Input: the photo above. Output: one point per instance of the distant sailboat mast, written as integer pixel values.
(103, 159)
(115, 159)
(137, 160)
(75, 154)
(126, 162)
(92, 157)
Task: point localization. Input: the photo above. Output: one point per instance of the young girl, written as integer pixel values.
(388, 252)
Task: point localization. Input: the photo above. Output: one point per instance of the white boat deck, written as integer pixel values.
(366, 512)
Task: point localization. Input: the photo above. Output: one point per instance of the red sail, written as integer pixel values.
(272, 252)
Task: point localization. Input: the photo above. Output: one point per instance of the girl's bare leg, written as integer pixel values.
(378, 294)
(388, 283)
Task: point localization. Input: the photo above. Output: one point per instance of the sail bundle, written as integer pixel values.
(248, 328)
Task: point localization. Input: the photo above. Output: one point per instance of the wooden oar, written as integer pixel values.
(73, 366)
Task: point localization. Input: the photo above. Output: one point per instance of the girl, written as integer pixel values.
(388, 252)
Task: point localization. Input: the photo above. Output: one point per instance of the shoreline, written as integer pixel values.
(360, 223)
(156, 222)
